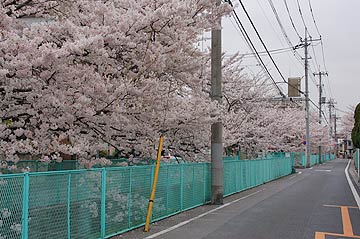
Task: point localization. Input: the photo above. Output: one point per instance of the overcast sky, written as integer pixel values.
(338, 23)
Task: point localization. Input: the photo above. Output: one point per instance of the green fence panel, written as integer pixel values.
(243, 174)
(314, 159)
(48, 206)
(11, 206)
(118, 199)
(85, 204)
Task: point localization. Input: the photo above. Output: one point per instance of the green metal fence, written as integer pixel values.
(96, 203)
(39, 166)
(314, 158)
(101, 203)
(243, 174)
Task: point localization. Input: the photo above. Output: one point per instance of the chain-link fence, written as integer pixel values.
(314, 158)
(243, 174)
(96, 203)
(100, 203)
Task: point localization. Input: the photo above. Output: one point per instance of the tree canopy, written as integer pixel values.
(355, 134)
(119, 73)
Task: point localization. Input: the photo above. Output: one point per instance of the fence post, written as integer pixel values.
(130, 198)
(25, 209)
(204, 179)
(235, 175)
(167, 188)
(193, 185)
(68, 206)
(181, 186)
(103, 205)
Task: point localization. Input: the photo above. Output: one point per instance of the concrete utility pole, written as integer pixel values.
(320, 104)
(335, 135)
(307, 43)
(331, 103)
(332, 116)
(217, 180)
(336, 139)
(307, 151)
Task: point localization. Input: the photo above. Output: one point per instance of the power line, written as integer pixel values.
(312, 14)
(301, 15)
(322, 52)
(279, 22)
(317, 107)
(270, 24)
(291, 19)
(262, 42)
(324, 62)
(274, 51)
(317, 66)
(296, 54)
(243, 31)
(266, 49)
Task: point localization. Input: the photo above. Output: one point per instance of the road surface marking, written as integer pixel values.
(299, 172)
(352, 187)
(346, 221)
(347, 227)
(200, 216)
(340, 206)
(322, 235)
(323, 170)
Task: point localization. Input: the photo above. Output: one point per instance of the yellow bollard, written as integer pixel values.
(153, 190)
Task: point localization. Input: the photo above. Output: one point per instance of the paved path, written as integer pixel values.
(316, 203)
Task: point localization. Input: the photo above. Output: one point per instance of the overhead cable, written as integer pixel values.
(243, 30)
(291, 19)
(262, 42)
(301, 15)
(312, 14)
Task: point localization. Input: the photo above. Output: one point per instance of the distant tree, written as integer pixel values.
(355, 134)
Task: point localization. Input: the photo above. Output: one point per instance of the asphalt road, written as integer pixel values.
(315, 203)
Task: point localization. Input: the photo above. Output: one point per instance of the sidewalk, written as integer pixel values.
(354, 176)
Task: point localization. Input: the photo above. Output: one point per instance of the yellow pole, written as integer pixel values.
(153, 190)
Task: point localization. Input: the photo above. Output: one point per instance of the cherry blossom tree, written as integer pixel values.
(347, 121)
(114, 72)
(257, 121)
(120, 73)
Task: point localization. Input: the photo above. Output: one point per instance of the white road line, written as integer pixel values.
(299, 172)
(323, 170)
(352, 187)
(200, 216)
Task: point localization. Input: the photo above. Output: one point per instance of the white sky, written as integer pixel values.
(338, 22)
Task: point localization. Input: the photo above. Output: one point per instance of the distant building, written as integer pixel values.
(346, 148)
